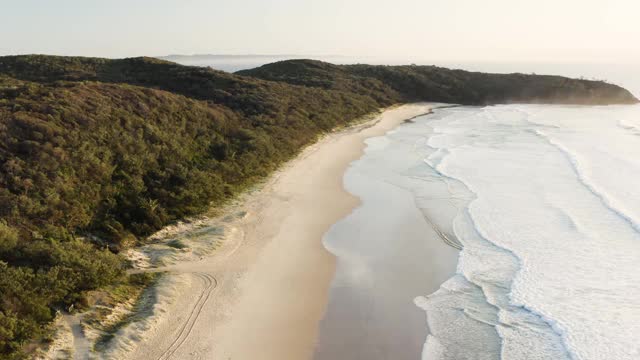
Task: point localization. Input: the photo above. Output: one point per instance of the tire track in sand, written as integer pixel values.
(210, 283)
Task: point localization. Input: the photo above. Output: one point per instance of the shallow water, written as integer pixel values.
(551, 236)
(382, 249)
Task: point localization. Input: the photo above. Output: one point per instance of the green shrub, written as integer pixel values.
(8, 238)
(177, 244)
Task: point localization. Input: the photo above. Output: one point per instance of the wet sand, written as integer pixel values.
(388, 253)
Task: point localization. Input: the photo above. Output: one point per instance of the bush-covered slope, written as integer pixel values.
(431, 83)
(117, 160)
(112, 150)
(249, 96)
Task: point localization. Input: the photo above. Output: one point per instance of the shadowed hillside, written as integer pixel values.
(112, 150)
(432, 83)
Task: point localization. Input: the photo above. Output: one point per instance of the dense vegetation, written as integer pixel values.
(432, 83)
(96, 154)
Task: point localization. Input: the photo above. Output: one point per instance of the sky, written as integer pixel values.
(459, 30)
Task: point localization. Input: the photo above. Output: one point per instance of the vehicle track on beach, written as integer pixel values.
(81, 346)
(210, 284)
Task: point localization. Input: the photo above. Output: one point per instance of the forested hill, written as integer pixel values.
(432, 83)
(112, 150)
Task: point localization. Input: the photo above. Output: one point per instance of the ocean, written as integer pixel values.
(551, 234)
(543, 200)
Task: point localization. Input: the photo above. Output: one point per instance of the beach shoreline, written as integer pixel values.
(264, 291)
(396, 245)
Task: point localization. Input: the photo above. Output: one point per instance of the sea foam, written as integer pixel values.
(550, 233)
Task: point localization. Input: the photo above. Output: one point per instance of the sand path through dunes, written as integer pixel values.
(81, 346)
(263, 293)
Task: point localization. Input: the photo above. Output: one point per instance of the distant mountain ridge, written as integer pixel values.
(99, 153)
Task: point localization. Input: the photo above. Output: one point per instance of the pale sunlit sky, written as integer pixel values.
(470, 30)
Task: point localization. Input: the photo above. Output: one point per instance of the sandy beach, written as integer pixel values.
(262, 294)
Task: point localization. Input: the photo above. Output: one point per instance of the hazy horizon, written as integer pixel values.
(572, 38)
(459, 30)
